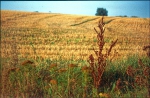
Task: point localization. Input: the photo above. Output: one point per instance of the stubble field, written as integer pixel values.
(53, 37)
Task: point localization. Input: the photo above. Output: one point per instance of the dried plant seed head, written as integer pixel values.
(85, 69)
(130, 71)
(17, 69)
(126, 82)
(53, 82)
(52, 66)
(140, 63)
(147, 49)
(11, 70)
(146, 71)
(118, 84)
(26, 62)
(62, 70)
(91, 58)
(72, 65)
(140, 80)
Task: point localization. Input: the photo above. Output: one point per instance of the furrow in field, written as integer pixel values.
(15, 16)
(37, 22)
(88, 20)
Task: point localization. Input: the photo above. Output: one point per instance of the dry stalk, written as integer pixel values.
(98, 64)
(147, 49)
(142, 79)
(27, 62)
(118, 85)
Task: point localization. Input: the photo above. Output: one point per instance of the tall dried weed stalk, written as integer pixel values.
(98, 64)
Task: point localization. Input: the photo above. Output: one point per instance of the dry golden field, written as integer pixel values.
(61, 36)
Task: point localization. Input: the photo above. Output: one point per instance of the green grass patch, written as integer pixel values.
(64, 79)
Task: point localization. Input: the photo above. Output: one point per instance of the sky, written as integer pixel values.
(88, 8)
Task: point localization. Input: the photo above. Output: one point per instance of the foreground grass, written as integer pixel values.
(67, 79)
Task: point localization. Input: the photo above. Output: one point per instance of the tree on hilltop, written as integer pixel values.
(101, 12)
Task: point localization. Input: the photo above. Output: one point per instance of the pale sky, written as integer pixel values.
(114, 8)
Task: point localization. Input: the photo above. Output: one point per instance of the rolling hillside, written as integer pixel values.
(55, 36)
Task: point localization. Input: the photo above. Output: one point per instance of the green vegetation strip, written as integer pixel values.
(84, 21)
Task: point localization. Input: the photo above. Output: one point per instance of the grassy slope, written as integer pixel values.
(69, 35)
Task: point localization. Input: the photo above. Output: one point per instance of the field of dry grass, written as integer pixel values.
(50, 55)
(50, 35)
